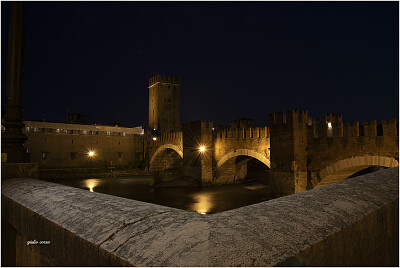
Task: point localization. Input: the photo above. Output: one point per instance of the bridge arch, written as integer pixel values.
(352, 165)
(165, 147)
(262, 158)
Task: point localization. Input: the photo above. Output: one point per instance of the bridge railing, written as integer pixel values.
(350, 223)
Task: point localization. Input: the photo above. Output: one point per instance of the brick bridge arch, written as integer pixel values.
(245, 152)
(350, 166)
(233, 167)
(166, 152)
(164, 147)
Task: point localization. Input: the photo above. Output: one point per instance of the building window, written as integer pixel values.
(45, 155)
(58, 130)
(43, 130)
(108, 133)
(119, 154)
(35, 129)
(74, 155)
(65, 131)
(50, 130)
(78, 131)
(124, 134)
(84, 132)
(26, 129)
(72, 141)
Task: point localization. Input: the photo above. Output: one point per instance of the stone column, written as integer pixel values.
(13, 139)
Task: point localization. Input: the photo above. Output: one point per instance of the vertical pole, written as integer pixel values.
(13, 139)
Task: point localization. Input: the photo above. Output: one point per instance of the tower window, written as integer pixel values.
(45, 155)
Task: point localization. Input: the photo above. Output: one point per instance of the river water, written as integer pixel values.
(203, 200)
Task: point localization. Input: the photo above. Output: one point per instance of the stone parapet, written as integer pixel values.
(350, 223)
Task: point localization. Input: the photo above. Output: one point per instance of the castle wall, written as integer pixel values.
(232, 139)
(357, 140)
(58, 145)
(288, 151)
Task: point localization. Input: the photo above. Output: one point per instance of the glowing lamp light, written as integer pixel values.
(329, 124)
(91, 153)
(202, 149)
(154, 138)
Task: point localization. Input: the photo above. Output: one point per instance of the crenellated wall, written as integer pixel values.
(360, 145)
(229, 144)
(299, 150)
(166, 152)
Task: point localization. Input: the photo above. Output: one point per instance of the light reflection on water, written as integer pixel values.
(201, 200)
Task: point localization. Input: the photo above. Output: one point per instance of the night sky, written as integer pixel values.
(235, 59)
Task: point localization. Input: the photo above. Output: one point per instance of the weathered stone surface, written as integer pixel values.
(354, 222)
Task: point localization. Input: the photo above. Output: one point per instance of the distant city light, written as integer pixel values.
(202, 149)
(154, 138)
(329, 125)
(91, 153)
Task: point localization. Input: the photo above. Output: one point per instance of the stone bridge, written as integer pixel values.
(166, 152)
(233, 149)
(294, 154)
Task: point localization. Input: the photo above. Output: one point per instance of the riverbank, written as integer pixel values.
(87, 173)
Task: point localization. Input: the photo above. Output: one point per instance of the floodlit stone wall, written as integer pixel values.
(52, 150)
(350, 223)
(164, 103)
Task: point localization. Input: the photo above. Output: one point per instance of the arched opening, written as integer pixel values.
(353, 167)
(166, 160)
(241, 168)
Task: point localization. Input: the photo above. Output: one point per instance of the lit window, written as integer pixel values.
(84, 132)
(45, 155)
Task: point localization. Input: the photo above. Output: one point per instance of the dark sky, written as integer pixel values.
(235, 59)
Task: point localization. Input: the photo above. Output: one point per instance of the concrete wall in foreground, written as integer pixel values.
(350, 223)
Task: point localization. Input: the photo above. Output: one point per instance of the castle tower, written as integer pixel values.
(288, 132)
(164, 103)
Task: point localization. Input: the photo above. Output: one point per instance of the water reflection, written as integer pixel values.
(202, 203)
(91, 183)
(204, 200)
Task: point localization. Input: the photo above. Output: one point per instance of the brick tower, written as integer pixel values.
(288, 131)
(164, 103)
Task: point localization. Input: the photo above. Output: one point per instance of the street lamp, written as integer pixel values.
(202, 149)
